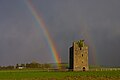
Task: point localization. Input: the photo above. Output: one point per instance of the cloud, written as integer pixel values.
(95, 21)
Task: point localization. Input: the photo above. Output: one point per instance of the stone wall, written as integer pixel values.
(79, 57)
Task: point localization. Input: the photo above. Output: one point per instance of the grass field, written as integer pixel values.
(41, 75)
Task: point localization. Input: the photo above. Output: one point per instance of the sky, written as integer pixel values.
(22, 39)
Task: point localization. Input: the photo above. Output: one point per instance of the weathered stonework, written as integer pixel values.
(79, 56)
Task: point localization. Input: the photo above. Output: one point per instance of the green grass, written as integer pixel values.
(38, 75)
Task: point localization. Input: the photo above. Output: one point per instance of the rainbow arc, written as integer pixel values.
(41, 23)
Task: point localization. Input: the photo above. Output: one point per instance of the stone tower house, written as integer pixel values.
(78, 57)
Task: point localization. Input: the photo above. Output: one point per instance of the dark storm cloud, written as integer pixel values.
(96, 21)
(20, 40)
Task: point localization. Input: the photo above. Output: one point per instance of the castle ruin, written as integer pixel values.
(78, 57)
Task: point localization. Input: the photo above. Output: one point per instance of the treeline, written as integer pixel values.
(27, 66)
(33, 65)
(6, 67)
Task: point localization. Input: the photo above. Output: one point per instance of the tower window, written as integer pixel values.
(80, 48)
(82, 55)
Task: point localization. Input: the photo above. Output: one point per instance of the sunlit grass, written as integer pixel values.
(38, 75)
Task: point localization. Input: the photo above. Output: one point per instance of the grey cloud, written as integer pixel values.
(96, 21)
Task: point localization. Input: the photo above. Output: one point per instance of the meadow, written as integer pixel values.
(58, 75)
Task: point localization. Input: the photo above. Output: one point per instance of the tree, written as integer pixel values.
(17, 65)
(47, 66)
(23, 65)
(80, 43)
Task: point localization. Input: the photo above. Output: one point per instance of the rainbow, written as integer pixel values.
(86, 35)
(41, 23)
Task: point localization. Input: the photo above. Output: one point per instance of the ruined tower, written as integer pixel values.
(78, 57)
